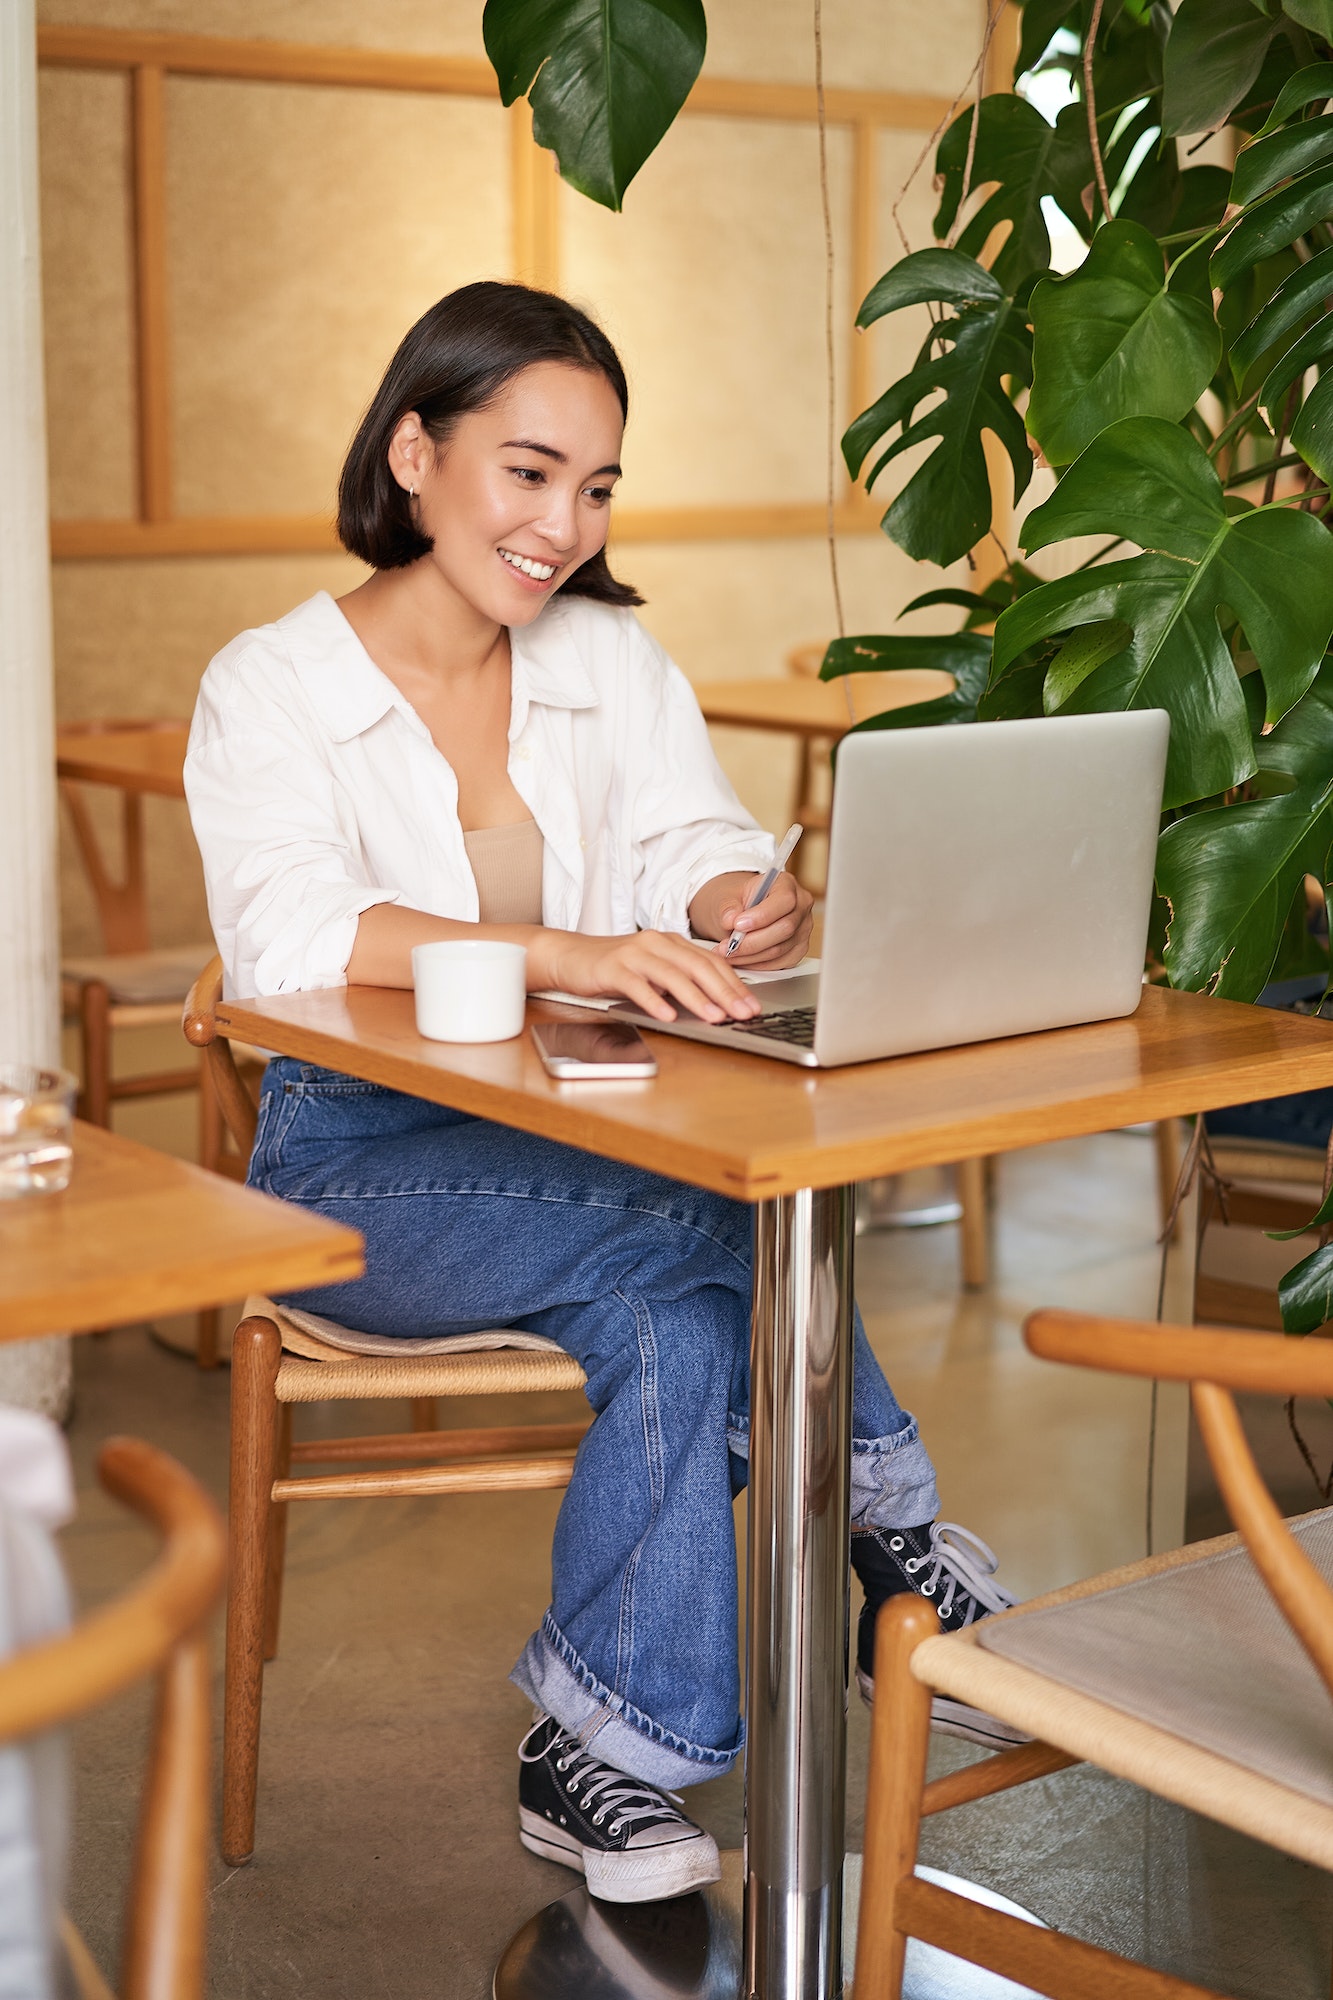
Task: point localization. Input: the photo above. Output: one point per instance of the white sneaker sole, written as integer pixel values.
(956, 1718)
(634, 1875)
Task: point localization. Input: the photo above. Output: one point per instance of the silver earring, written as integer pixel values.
(411, 492)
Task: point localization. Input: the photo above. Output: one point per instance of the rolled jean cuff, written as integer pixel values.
(553, 1676)
(893, 1481)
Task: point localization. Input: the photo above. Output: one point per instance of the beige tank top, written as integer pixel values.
(506, 862)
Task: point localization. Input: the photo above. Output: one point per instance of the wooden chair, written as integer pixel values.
(280, 1359)
(159, 1627)
(1203, 1676)
(129, 984)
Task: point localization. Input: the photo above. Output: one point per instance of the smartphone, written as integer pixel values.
(572, 1050)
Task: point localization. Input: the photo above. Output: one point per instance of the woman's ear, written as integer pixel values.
(410, 453)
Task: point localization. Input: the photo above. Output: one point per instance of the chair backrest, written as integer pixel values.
(240, 1112)
(1216, 1362)
(805, 661)
(159, 1627)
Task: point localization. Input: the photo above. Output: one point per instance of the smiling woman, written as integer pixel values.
(481, 741)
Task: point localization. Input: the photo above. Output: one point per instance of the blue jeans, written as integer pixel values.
(647, 1283)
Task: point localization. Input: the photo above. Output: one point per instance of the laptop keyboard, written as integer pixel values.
(793, 1024)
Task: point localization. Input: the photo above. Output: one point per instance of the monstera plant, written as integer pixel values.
(1177, 382)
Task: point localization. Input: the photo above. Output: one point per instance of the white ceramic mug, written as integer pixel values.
(469, 989)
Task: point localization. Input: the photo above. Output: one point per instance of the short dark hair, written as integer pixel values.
(456, 359)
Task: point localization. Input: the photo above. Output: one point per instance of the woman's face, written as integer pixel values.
(520, 493)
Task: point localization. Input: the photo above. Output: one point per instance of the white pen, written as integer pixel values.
(780, 860)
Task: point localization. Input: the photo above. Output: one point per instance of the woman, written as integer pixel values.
(482, 739)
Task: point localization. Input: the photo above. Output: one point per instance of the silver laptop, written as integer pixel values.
(983, 880)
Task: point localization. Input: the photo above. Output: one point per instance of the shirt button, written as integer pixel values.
(523, 751)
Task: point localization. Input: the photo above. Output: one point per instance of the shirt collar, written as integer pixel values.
(547, 665)
(346, 688)
(351, 694)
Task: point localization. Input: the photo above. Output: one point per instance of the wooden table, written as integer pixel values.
(792, 1142)
(137, 1233)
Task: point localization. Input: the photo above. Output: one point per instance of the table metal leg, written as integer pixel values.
(800, 1477)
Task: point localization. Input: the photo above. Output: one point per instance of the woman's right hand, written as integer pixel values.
(649, 968)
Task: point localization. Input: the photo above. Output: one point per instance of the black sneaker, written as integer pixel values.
(630, 1841)
(956, 1571)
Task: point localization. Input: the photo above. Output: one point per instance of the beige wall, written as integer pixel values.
(308, 227)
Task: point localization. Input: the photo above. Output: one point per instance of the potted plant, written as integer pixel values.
(1178, 383)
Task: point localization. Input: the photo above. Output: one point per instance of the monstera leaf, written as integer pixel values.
(1215, 52)
(1232, 873)
(945, 507)
(1148, 481)
(965, 655)
(605, 78)
(1019, 158)
(1282, 188)
(1110, 341)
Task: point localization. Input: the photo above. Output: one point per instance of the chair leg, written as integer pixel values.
(95, 1041)
(899, 1738)
(277, 1535)
(163, 1950)
(975, 1245)
(256, 1356)
(210, 1152)
(424, 1413)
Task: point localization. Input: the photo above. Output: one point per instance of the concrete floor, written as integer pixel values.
(387, 1862)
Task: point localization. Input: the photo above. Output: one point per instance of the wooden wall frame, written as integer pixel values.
(149, 58)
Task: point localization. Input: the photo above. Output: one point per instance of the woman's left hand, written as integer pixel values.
(776, 932)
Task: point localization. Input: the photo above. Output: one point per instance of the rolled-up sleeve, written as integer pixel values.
(283, 867)
(689, 825)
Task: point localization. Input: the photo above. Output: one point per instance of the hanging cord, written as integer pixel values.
(831, 373)
(979, 72)
(1090, 100)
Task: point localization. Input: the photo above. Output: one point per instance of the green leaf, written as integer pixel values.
(1311, 85)
(945, 506)
(1316, 15)
(1091, 647)
(1266, 161)
(1314, 345)
(965, 655)
(605, 78)
(1232, 872)
(1042, 19)
(1309, 289)
(1305, 1294)
(1110, 341)
(1019, 153)
(1149, 482)
(1312, 432)
(1273, 224)
(1215, 52)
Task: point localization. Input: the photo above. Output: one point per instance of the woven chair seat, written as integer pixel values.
(1180, 1674)
(496, 1360)
(141, 978)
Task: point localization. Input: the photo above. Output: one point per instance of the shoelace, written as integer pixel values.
(967, 1564)
(610, 1790)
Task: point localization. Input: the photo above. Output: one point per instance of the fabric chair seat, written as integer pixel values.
(141, 978)
(318, 1339)
(1179, 1673)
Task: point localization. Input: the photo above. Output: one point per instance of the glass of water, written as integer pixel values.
(36, 1119)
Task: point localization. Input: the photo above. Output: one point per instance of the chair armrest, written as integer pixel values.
(1264, 1363)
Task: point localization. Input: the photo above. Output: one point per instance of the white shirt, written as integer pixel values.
(316, 791)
